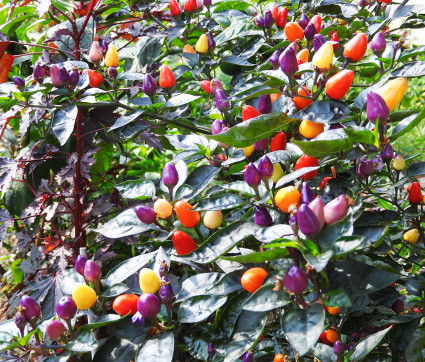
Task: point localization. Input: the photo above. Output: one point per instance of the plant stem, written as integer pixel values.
(78, 231)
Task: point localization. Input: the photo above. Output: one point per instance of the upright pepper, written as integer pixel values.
(338, 85)
(324, 57)
(174, 8)
(166, 77)
(415, 193)
(293, 32)
(111, 57)
(393, 92)
(356, 48)
(188, 49)
(202, 44)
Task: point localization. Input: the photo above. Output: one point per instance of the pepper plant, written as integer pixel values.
(210, 181)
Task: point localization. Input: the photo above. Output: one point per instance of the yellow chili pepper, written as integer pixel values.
(277, 172)
(111, 57)
(324, 57)
(248, 151)
(202, 44)
(393, 92)
(411, 236)
(399, 163)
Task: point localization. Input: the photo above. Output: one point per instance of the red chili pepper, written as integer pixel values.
(283, 18)
(415, 193)
(278, 142)
(174, 8)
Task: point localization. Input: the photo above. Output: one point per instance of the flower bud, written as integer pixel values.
(388, 153)
(149, 85)
(318, 208)
(274, 59)
(166, 292)
(339, 348)
(211, 351)
(265, 104)
(289, 62)
(265, 168)
(376, 108)
(310, 31)
(259, 20)
(55, 329)
(248, 356)
(170, 176)
(261, 144)
(268, 19)
(19, 82)
(252, 176)
(112, 72)
(145, 214)
(366, 167)
(202, 44)
(20, 322)
(308, 223)
(304, 21)
(95, 54)
(307, 195)
(55, 76)
(318, 41)
(138, 319)
(336, 209)
(64, 76)
(398, 306)
(211, 41)
(74, 77)
(399, 163)
(324, 56)
(38, 73)
(92, 271)
(378, 44)
(148, 305)
(262, 216)
(296, 280)
(214, 85)
(220, 98)
(80, 263)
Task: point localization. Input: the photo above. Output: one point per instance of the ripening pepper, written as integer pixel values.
(213, 219)
(188, 49)
(293, 32)
(324, 57)
(277, 172)
(338, 85)
(316, 20)
(301, 102)
(38, 73)
(206, 86)
(249, 112)
(378, 44)
(393, 92)
(94, 78)
(211, 41)
(190, 5)
(335, 39)
(186, 216)
(95, 54)
(111, 57)
(282, 18)
(289, 62)
(202, 44)
(304, 21)
(411, 236)
(302, 56)
(274, 11)
(174, 8)
(356, 48)
(318, 42)
(183, 243)
(278, 142)
(376, 108)
(399, 163)
(166, 77)
(415, 193)
(310, 31)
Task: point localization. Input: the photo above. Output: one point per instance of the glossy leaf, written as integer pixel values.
(63, 123)
(135, 189)
(223, 202)
(258, 257)
(326, 143)
(85, 342)
(327, 111)
(157, 348)
(365, 346)
(200, 308)
(265, 299)
(410, 70)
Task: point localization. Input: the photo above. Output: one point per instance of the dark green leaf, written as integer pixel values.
(115, 290)
(223, 202)
(324, 353)
(303, 327)
(332, 233)
(326, 143)
(416, 346)
(411, 53)
(272, 233)
(101, 321)
(128, 268)
(137, 189)
(337, 298)
(125, 224)
(258, 257)
(199, 308)
(115, 349)
(63, 123)
(410, 70)
(361, 135)
(319, 262)
(265, 299)
(247, 133)
(365, 346)
(200, 178)
(180, 99)
(294, 175)
(234, 5)
(231, 59)
(417, 169)
(327, 111)
(347, 244)
(357, 278)
(222, 241)
(249, 327)
(157, 348)
(197, 348)
(85, 342)
(190, 59)
(126, 119)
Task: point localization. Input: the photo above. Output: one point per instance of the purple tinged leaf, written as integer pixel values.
(376, 108)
